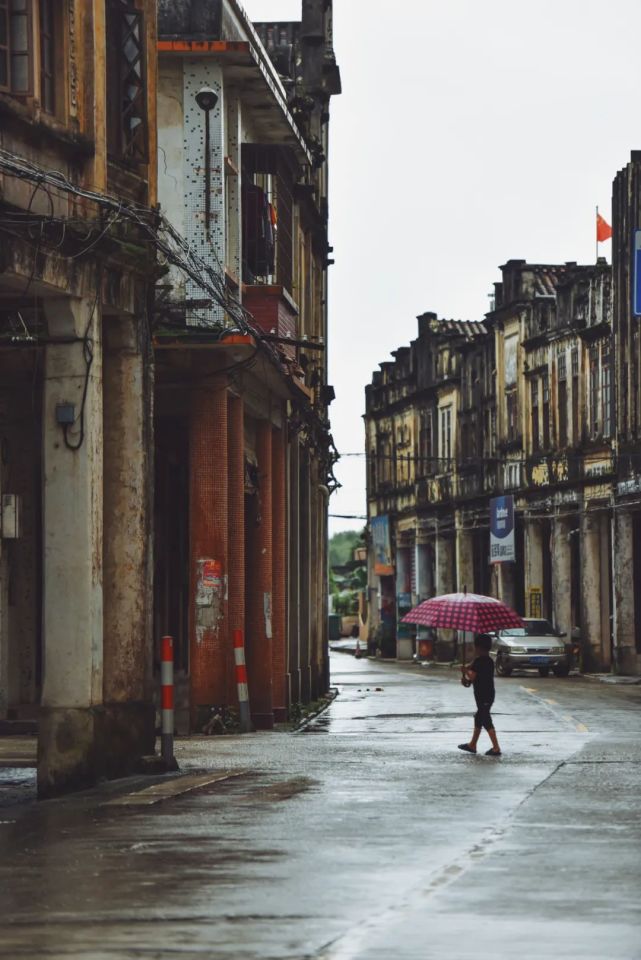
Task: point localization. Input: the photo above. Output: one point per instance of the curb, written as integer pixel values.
(330, 696)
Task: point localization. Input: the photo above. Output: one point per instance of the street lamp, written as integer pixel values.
(206, 98)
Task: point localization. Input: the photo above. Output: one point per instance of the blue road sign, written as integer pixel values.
(636, 275)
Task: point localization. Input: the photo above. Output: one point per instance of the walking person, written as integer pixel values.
(480, 675)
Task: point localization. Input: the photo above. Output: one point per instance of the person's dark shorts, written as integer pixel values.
(483, 717)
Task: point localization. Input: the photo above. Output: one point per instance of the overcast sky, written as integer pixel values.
(469, 132)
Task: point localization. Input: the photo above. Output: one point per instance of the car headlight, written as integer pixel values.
(558, 650)
(517, 650)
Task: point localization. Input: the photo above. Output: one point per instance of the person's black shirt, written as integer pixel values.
(483, 667)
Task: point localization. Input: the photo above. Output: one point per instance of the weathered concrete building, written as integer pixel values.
(243, 453)
(523, 404)
(77, 184)
(626, 315)
(554, 425)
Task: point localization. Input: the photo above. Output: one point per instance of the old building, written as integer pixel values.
(243, 452)
(626, 223)
(522, 405)
(552, 333)
(424, 416)
(77, 267)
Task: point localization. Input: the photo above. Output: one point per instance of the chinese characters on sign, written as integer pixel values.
(502, 530)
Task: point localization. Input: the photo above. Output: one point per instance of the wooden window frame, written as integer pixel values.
(6, 47)
(29, 53)
(52, 8)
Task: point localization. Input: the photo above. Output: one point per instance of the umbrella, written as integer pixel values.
(464, 611)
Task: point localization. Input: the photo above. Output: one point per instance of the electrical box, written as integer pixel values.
(10, 516)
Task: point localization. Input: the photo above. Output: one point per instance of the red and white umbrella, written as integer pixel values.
(471, 612)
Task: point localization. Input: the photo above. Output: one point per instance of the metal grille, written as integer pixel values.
(126, 82)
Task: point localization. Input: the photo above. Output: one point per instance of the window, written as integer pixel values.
(606, 395)
(545, 383)
(445, 454)
(372, 470)
(15, 46)
(127, 101)
(47, 57)
(534, 392)
(425, 442)
(511, 415)
(576, 435)
(594, 390)
(563, 400)
(19, 21)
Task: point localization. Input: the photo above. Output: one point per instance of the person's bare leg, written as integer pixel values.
(475, 737)
(495, 743)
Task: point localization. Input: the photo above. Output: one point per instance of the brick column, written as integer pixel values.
(236, 526)
(208, 627)
(259, 589)
(279, 578)
(293, 618)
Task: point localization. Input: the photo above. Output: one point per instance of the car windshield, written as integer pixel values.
(535, 628)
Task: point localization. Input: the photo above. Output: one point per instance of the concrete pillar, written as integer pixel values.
(404, 641)
(424, 584)
(625, 655)
(127, 590)
(236, 530)
(279, 576)
(533, 566)
(591, 591)
(70, 752)
(315, 566)
(208, 485)
(506, 585)
(259, 590)
(562, 577)
(293, 618)
(445, 558)
(445, 583)
(605, 585)
(464, 557)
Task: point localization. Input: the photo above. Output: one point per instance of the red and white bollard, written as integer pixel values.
(167, 699)
(241, 682)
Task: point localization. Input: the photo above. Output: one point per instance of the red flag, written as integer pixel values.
(603, 229)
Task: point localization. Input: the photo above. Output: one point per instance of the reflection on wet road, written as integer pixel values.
(364, 835)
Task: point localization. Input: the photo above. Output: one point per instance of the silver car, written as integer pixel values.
(536, 646)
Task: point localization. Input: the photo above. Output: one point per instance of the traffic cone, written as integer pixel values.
(357, 652)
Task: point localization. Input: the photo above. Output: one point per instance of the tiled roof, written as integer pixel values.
(469, 329)
(546, 279)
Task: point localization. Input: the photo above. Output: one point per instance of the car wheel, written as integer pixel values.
(561, 670)
(544, 671)
(501, 668)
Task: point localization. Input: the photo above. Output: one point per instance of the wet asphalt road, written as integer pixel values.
(368, 835)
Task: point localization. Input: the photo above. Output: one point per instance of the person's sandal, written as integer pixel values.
(466, 747)
(493, 753)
